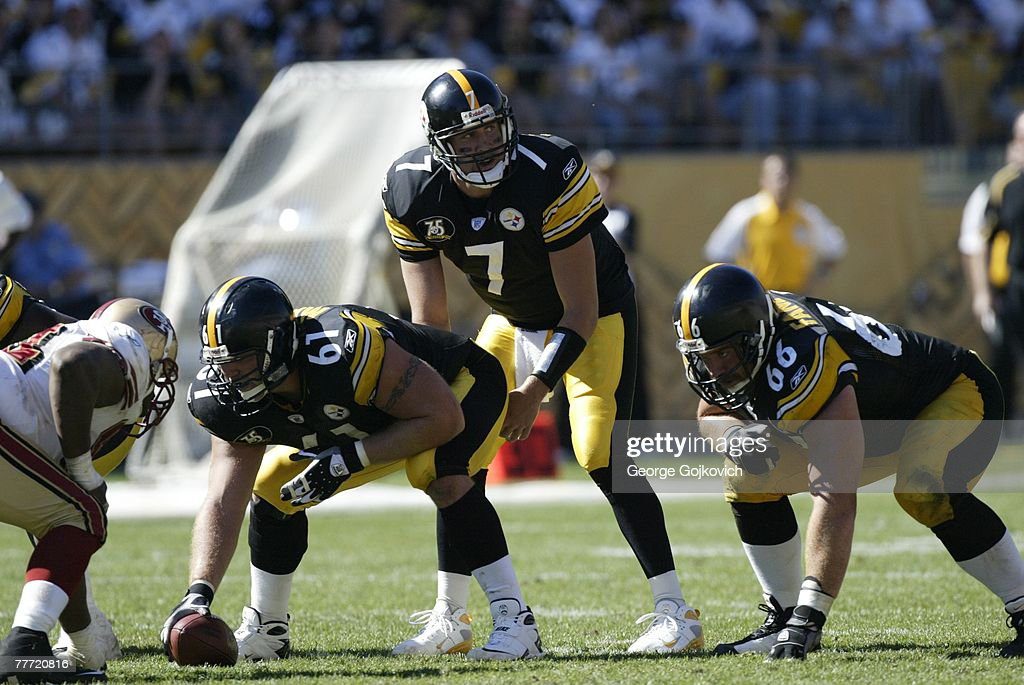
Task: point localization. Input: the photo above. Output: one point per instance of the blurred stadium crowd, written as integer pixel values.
(113, 76)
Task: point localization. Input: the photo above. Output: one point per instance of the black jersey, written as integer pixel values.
(1005, 224)
(340, 354)
(502, 242)
(820, 347)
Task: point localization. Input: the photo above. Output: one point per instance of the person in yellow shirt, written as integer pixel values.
(788, 243)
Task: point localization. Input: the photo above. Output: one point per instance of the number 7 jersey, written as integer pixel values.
(820, 347)
(501, 243)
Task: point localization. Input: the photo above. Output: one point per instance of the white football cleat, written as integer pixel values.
(675, 627)
(446, 630)
(260, 640)
(515, 634)
(93, 647)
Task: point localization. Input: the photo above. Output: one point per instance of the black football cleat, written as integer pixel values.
(761, 640)
(1015, 648)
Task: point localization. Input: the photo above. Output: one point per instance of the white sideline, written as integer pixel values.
(182, 496)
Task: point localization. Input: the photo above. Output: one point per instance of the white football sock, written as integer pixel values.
(498, 580)
(1000, 569)
(41, 605)
(666, 586)
(778, 568)
(270, 593)
(453, 589)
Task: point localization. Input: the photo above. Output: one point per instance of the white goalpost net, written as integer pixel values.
(296, 199)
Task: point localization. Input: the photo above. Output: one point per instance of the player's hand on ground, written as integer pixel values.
(523, 407)
(330, 468)
(801, 635)
(191, 603)
(751, 448)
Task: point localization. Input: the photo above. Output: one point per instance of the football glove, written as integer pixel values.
(330, 468)
(750, 447)
(801, 635)
(196, 601)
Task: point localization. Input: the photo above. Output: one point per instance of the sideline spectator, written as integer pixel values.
(52, 266)
(788, 243)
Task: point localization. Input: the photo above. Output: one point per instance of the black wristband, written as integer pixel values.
(201, 588)
(564, 349)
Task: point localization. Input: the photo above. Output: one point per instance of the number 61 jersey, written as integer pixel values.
(820, 347)
(340, 355)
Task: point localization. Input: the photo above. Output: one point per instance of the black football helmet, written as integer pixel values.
(462, 100)
(247, 318)
(723, 308)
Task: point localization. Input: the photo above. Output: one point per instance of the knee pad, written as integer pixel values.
(277, 541)
(765, 523)
(973, 529)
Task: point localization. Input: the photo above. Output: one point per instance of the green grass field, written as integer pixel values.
(907, 612)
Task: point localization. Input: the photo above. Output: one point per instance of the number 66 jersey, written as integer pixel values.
(820, 347)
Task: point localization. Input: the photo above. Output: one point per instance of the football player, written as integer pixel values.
(350, 394)
(839, 400)
(86, 633)
(66, 389)
(522, 217)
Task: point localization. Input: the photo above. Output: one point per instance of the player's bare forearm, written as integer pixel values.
(233, 469)
(425, 286)
(715, 421)
(575, 272)
(830, 538)
(214, 539)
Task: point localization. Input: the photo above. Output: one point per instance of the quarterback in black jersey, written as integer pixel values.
(521, 217)
(348, 394)
(831, 399)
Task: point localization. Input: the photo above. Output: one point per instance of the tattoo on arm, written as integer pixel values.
(403, 384)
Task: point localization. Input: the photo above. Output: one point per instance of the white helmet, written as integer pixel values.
(162, 345)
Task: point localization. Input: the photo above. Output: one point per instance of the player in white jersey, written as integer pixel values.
(66, 390)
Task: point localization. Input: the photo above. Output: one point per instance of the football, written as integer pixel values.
(203, 640)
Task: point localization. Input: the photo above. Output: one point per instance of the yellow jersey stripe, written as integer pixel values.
(807, 384)
(402, 237)
(684, 314)
(579, 180)
(572, 222)
(467, 89)
(1000, 180)
(12, 302)
(368, 357)
(797, 412)
(211, 316)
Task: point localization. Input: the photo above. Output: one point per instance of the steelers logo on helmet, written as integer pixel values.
(470, 127)
(724, 322)
(247, 326)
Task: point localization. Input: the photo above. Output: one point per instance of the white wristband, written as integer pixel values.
(80, 468)
(813, 596)
(361, 453)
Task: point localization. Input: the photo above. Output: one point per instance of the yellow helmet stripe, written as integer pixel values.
(467, 89)
(211, 315)
(684, 315)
